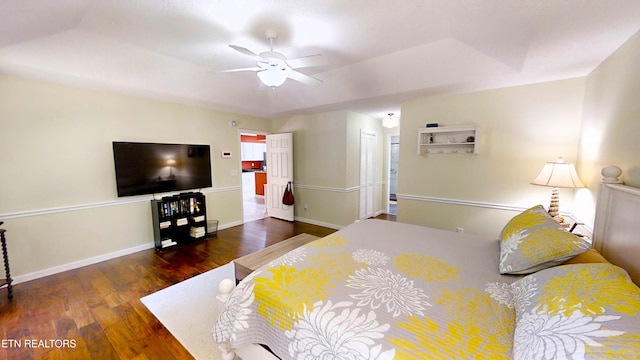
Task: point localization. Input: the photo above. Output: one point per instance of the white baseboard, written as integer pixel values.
(229, 225)
(329, 225)
(95, 259)
(319, 223)
(80, 263)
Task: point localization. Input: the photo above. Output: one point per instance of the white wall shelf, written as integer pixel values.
(448, 140)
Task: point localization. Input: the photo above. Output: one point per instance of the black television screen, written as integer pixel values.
(148, 168)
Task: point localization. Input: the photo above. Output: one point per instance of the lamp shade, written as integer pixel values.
(558, 174)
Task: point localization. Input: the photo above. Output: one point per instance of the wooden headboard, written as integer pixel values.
(616, 232)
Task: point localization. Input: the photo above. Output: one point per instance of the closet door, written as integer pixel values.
(367, 181)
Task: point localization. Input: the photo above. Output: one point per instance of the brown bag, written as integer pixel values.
(287, 198)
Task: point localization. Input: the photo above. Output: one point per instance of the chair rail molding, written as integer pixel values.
(62, 209)
(481, 204)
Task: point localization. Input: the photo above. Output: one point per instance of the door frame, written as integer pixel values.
(388, 170)
(240, 132)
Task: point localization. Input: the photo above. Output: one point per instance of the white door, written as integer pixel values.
(279, 173)
(367, 186)
(394, 155)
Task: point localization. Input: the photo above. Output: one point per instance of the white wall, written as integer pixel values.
(58, 195)
(327, 164)
(521, 128)
(611, 123)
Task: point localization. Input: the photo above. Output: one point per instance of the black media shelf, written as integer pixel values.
(179, 219)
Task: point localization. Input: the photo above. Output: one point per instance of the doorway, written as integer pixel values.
(253, 161)
(394, 154)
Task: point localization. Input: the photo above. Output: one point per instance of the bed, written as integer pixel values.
(386, 290)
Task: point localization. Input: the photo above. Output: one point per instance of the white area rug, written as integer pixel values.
(189, 310)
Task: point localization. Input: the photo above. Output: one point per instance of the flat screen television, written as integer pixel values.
(149, 168)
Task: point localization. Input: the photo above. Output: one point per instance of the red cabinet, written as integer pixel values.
(261, 179)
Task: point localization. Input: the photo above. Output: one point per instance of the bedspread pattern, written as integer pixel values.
(375, 290)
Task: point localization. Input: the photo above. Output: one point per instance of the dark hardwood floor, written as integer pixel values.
(97, 308)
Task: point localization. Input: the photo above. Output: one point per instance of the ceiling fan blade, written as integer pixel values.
(306, 61)
(255, 68)
(303, 78)
(246, 51)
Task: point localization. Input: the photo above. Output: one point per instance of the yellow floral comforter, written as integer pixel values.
(376, 290)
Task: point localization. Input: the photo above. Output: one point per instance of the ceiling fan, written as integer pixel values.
(273, 68)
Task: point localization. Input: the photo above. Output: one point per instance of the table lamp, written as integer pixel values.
(557, 175)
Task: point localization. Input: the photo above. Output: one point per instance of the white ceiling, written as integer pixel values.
(377, 52)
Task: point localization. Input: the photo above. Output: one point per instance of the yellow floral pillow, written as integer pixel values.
(533, 241)
(579, 311)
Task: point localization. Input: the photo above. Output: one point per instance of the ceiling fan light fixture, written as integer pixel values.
(273, 68)
(390, 120)
(273, 77)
